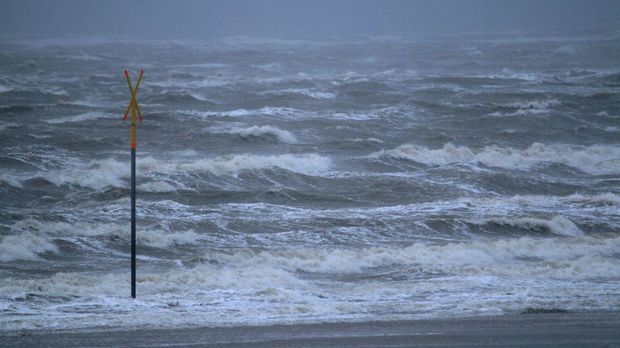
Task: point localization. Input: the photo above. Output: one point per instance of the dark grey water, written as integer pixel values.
(286, 181)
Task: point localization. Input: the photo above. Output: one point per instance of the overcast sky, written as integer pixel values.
(160, 19)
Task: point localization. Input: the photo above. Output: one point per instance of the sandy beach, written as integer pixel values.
(591, 329)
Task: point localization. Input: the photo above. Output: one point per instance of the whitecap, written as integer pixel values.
(598, 199)
(594, 159)
(37, 235)
(274, 286)
(534, 107)
(308, 92)
(262, 131)
(157, 186)
(25, 246)
(87, 116)
(557, 225)
(266, 111)
(99, 174)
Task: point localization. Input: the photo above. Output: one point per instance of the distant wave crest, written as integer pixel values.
(595, 159)
(100, 174)
(281, 135)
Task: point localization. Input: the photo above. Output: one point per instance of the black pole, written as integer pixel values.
(133, 109)
(133, 222)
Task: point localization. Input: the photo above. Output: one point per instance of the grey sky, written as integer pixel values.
(299, 19)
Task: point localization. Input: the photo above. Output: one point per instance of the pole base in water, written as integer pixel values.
(133, 222)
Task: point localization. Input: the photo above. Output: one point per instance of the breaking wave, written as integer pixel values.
(32, 237)
(88, 116)
(273, 286)
(178, 96)
(536, 107)
(104, 173)
(26, 246)
(600, 199)
(266, 111)
(557, 225)
(486, 256)
(308, 164)
(157, 186)
(281, 135)
(307, 92)
(595, 159)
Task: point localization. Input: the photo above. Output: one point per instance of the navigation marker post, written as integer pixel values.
(134, 110)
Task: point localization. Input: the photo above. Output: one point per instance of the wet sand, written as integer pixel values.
(591, 329)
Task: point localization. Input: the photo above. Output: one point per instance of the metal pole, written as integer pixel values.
(134, 110)
(133, 222)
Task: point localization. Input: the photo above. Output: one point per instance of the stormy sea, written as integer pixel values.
(300, 181)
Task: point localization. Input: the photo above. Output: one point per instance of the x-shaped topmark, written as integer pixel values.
(133, 103)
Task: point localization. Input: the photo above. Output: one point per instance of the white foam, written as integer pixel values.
(358, 116)
(266, 111)
(40, 136)
(179, 87)
(578, 208)
(25, 246)
(308, 92)
(97, 103)
(599, 199)
(446, 155)
(205, 65)
(475, 277)
(163, 239)
(190, 93)
(54, 91)
(594, 159)
(87, 116)
(557, 225)
(261, 131)
(85, 57)
(157, 186)
(364, 140)
(556, 202)
(5, 89)
(309, 164)
(100, 174)
(534, 107)
(268, 67)
(38, 234)
(12, 180)
(49, 229)
(525, 76)
(490, 257)
(96, 174)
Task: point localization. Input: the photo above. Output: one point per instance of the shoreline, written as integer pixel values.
(570, 329)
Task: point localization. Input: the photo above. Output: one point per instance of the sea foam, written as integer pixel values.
(25, 246)
(88, 116)
(594, 159)
(263, 131)
(99, 174)
(32, 237)
(280, 286)
(557, 225)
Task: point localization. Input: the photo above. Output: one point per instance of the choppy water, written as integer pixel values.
(297, 181)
